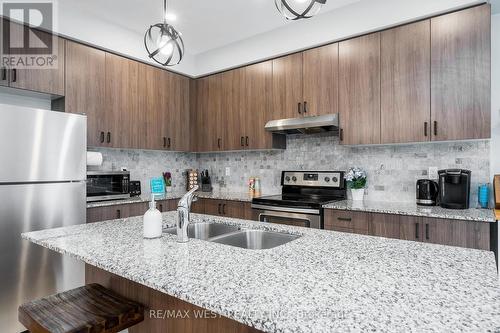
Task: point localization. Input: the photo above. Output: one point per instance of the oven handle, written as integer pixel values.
(287, 209)
(280, 215)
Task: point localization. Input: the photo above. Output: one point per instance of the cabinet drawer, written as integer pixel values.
(356, 221)
(98, 214)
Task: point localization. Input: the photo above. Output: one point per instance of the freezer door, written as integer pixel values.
(40, 145)
(29, 271)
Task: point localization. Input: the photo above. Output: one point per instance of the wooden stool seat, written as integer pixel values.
(89, 309)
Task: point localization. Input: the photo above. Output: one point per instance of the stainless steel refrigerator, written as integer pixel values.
(42, 185)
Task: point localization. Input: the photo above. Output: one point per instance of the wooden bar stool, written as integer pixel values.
(88, 309)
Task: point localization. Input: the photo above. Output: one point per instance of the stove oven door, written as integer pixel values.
(293, 217)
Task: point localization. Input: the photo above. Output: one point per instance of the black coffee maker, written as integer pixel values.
(454, 188)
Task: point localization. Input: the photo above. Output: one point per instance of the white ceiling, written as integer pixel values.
(205, 24)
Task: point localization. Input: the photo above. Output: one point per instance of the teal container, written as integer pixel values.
(483, 195)
(157, 186)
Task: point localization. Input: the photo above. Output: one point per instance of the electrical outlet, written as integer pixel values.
(228, 171)
(433, 173)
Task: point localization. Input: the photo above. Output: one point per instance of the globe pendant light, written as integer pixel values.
(163, 43)
(299, 9)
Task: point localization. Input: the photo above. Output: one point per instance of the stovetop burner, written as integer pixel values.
(307, 190)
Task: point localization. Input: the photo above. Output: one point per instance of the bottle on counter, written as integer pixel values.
(152, 221)
(257, 188)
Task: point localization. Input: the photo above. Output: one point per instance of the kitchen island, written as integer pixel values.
(324, 281)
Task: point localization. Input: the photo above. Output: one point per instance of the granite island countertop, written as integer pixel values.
(412, 209)
(219, 195)
(325, 281)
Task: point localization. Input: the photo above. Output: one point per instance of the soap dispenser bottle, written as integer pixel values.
(152, 221)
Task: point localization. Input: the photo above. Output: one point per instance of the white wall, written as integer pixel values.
(355, 19)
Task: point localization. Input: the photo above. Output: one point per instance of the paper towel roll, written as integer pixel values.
(94, 158)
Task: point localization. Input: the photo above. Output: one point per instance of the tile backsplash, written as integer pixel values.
(145, 164)
(392, 169)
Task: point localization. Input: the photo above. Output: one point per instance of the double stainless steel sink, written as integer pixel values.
(235, 236)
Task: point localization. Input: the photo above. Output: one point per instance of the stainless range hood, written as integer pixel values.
(305, 125)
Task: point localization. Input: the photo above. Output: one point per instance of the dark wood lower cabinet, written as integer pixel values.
(157, 303)
(112, 212)
(225, 208)
(469, 234)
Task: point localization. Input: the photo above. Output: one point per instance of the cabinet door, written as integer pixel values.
(234, 209)
(385, 225)
(411, 228)
(474, 235)
(359, 90)
(209, 113)
(153, 88)
(287, 86)
(85, 85)
(107, 213)
(197, 206)
(348, 221)
(178, 116)
(50, 81)
(320, 80)
(4, 72)
(213, 207)
(461, 92)
(231, 109)
(121, 109)
(257, 106)
(405, 83)
(138, 209)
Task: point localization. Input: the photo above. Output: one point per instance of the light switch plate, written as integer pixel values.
(433, 173)
(228, 171)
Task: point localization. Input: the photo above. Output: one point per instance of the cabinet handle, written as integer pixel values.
(164, 142)
(169, 143)
(118, 214)
(102, 137)
(108, 139)
(425, 128)
(224, 209)
(435, 128)
(416, 231)
(219, 209)
(348, 219)
(305, 107)
(247, 141)
(427, 231)
(4, 73)
(14, 75)
(299, 108)
(242, 141)
(341, 134)
(161, 208)
(219, 143)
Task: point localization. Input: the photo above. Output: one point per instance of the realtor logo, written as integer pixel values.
(26, 42)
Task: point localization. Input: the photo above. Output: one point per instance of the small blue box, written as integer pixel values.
(157, 186)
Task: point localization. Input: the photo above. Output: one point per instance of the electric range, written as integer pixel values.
(302, 198)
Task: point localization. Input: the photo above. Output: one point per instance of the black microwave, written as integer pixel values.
(107, 185)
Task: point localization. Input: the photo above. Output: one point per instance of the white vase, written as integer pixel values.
(357, 194)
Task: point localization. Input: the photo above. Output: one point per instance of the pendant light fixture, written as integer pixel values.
(299, 9)
(163, 43)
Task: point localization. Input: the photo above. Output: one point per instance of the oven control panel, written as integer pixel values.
(313, 179)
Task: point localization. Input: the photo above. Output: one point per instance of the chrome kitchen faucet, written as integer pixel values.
(183, 209)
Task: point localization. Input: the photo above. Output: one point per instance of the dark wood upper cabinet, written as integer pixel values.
(359, 90)
(461, 93)
(209, 116)
(287, 86)
(122, 99)
(232, 109)
(85, 86)
(257, 108)
(320, 80)
(44, 80)
(153, 85)
(178, 115)
(405, 83)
